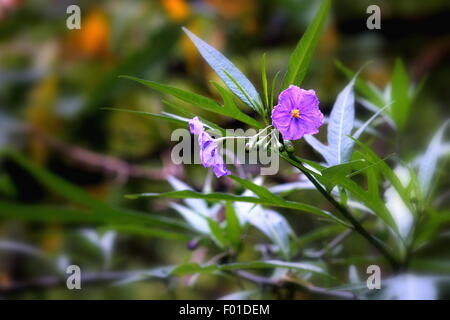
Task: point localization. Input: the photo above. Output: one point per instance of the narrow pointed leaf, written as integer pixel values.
(340, 125)
(199, 101)
(191, 268)
(219, 63)
(400, 95)
(233, 227)
(302, 55)
(217, 196)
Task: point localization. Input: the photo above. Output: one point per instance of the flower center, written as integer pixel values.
(295, 113)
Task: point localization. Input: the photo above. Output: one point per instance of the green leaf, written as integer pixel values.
(302, 55)
(373, 183)
(229, 109)
(148, 232)
(272, 90)
(78, 195)
(264, 81)
(332, 175)
(401, 100)
(319, 234)
(389, 174)
(233, 227)
(47, 213)
(191, 268)
(217, 233)
(241, 86)
(260, 191)
(217, 196)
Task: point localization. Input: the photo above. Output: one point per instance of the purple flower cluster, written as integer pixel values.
(297, 113)
(209, 150)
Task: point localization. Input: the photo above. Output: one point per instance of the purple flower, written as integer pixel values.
(209, 150)
(297, 113)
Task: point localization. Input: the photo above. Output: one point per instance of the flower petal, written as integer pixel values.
(291, 97)
(195, 126)
(220, 170)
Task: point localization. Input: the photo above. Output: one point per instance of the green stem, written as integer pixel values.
(291, 158)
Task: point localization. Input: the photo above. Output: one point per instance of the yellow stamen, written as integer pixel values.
(295, 113)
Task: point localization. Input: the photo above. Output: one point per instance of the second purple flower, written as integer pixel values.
(209, 150)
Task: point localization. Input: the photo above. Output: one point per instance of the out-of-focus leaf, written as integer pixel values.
(319, 234)
(264, 81)
(197, 220)
(46, 213)
(217, 196)
(427, 230)
(400, 97)
(217, 233)
(272, 88)
(150, 54)
(221, 66)
(191, 268)
(402, 215)
(195, 204)
(429, 160)
(78, 195)
(353, 275)
(269, 222)
(373, 158)
(229, 110)
(149, 232)
(368, 90)
(302, 55)
(135, 276)
(233, 227)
